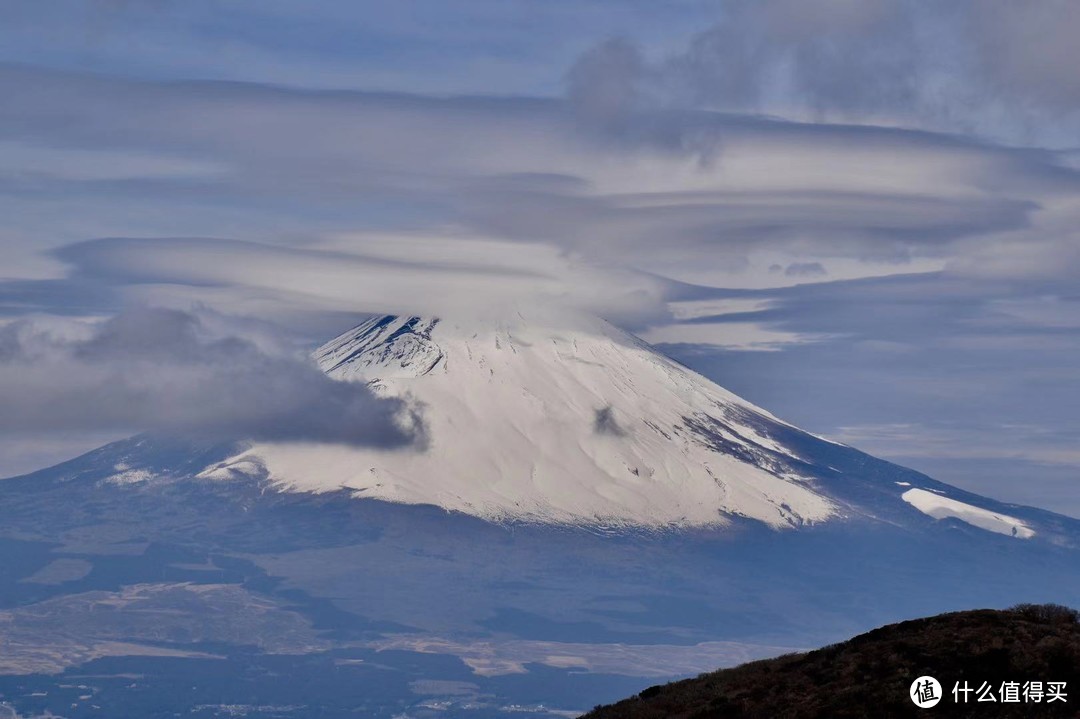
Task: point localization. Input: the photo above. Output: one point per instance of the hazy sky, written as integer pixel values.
(860, 214)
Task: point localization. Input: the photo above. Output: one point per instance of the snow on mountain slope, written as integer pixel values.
(585, 424)
(940, 507)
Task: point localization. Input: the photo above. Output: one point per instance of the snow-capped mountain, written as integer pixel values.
(499, 569)
(582, 423)
(560, 425)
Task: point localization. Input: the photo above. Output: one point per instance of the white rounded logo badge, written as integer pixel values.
(925, 692)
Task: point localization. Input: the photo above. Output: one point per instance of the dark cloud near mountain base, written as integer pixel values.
(166, 371)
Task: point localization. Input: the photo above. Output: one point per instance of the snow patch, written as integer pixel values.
(233, 469)
(940, 507)
(129, 476)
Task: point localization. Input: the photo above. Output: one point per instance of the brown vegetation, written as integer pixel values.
(870, 675)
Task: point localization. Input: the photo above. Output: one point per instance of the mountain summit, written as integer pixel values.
(585, 424)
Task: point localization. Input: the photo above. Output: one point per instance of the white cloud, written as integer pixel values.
(689, 310)
(747, 336)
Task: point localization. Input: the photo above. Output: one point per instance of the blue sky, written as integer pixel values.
(860, 215)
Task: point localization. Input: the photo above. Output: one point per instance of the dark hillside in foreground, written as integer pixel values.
(871, 675)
